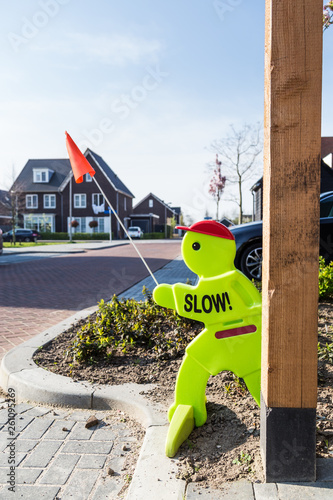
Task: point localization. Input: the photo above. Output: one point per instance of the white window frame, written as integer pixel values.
(50, 204)
(38, 175)
(88, 178)
(100, 220)
(151, 203)
(80, 200)
(100, 199)
(29, 201)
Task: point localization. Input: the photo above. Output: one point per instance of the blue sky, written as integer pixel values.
(148, 85)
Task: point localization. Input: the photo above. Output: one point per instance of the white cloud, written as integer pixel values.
(116, 50)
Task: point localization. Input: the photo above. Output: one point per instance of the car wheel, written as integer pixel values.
(27, 239)
(251, 261)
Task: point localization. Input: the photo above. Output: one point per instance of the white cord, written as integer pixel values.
(122, 225)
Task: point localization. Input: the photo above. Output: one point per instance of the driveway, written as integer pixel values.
(37, 294)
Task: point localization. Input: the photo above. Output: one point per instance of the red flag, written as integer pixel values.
(79, 163)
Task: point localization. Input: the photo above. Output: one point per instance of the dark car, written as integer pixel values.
(0, 241)
(249, 240)
(21, 235)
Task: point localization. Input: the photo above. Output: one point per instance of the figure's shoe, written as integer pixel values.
(181, 426)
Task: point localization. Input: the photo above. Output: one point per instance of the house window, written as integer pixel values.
(40, 222)
(88, 178)
(49, 200)
(31, 201)
(151, 203)
(80, 201)
(125, 203)
(98, 205)
(101, 224)
(83, 225)
(42, 175)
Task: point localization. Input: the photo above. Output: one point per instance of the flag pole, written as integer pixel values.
(125, 230)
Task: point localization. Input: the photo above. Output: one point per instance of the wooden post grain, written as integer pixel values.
(293, 71)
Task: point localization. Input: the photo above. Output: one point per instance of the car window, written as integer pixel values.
(326, 207)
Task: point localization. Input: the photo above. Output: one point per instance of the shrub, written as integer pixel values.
(325, 279)
(76, 236)
(129, 323)
(153, 236)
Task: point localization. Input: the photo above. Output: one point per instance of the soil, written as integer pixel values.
(227, 447)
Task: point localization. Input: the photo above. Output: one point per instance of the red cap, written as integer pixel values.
(210, 227)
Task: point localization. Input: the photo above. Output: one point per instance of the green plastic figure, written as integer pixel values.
(230, 307)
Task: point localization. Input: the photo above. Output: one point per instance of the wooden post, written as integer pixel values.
(293, 70)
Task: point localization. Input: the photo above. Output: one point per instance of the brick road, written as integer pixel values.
(40, 293)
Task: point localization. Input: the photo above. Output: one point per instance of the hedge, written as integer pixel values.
(75, 236)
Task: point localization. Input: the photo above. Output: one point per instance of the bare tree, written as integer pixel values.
(239, 152)
(217, 184)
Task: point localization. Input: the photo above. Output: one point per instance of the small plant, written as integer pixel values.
(325, 279)
(243, 458)
(325, 352)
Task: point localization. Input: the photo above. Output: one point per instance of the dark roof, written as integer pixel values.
(3, 196)
(151, 195)
(117, 183)
(4, 203)
(24, 181)
(326, 146)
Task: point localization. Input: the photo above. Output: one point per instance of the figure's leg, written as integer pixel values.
(252, 381)
(190, 389)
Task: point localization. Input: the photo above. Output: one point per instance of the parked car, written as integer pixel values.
(249, 240)
(135, 232)
(0, 241)
(21, 235)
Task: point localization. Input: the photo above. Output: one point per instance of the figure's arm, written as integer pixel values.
(173, 297)
(163, 296)
(247, 291)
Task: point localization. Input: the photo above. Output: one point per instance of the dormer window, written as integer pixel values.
(42, 174)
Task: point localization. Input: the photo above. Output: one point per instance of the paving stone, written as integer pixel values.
(22, 407)
(106, 489)
(80, 433)
(25, 445)
(22, 421)
(3, 441)
(80, 416)
(80, 484)
(89, 447)
(103, 434)
(265, 491)
(27, 476)
(4, 456)
(92, 461)
(240, 490)
(305, 491)
(60, 469)
(324, 469)
(38, 411)
(37, 428)
(42, 454)
(27, 492)
(22, 475)
(56, 430)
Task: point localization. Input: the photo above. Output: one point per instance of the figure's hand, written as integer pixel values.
(163, 296)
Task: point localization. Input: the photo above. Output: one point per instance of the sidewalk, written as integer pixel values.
(75, 247)
(56, 457)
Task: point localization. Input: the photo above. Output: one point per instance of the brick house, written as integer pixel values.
(152, 213)
(44, 188)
